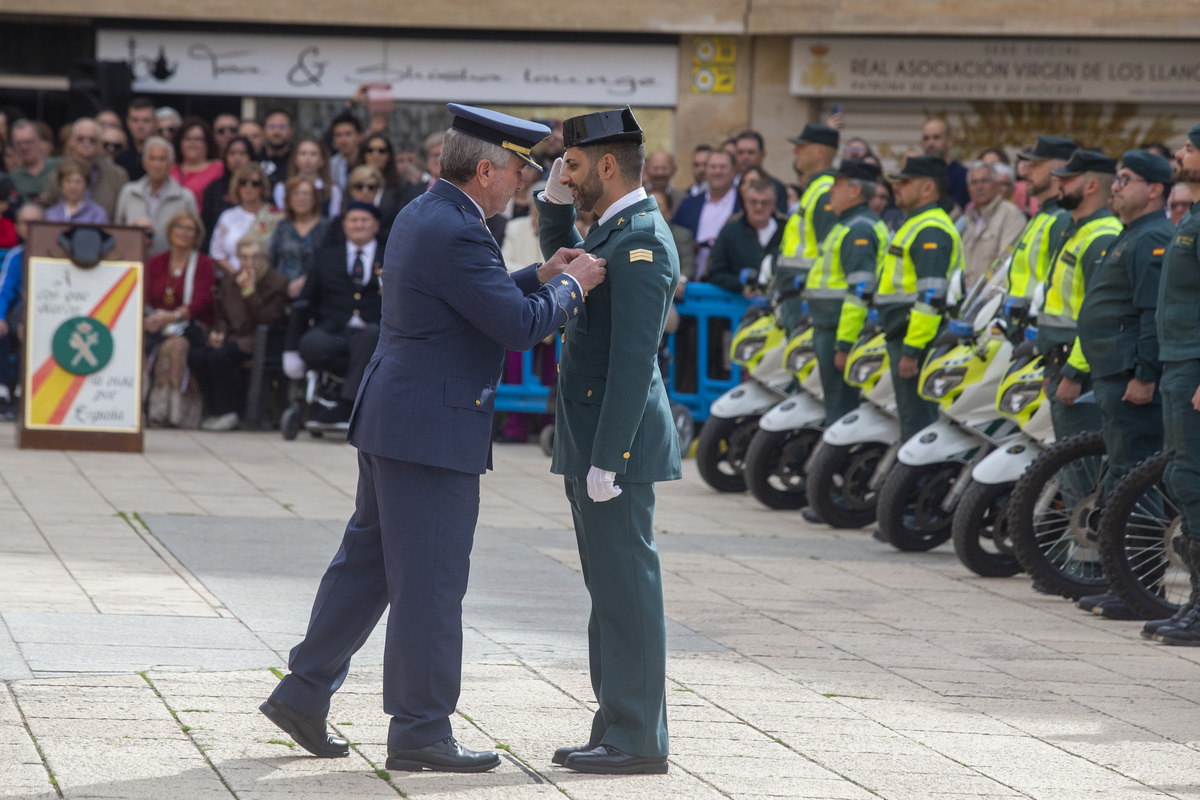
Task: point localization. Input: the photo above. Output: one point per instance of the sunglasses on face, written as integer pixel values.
(255, 182)
(365, 187)
(377, 150)
(230, 129)
(112, 147)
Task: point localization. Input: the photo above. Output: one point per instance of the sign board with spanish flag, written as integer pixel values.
(82, 382)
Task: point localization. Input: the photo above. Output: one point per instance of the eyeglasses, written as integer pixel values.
(255, 182)
(113, 147)
(377, 150)
(227, 129)
(365, 187)
(1184, 204)
(194, 139)
(1124, 180)
(91, 139)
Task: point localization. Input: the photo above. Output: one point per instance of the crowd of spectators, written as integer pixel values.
(248, 224)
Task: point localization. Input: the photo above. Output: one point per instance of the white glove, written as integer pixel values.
(602, 485)
(555, 192)
(293, 364)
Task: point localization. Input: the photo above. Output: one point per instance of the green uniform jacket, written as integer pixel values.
(1179, 294)
(612, 410)
(1117, 330)
(737, 248)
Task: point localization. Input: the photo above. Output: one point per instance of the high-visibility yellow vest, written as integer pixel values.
(1064, 292)
(827, 279)
(800, 245)
(1031, 256)
(898, 281)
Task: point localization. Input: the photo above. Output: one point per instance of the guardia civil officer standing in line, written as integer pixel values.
(1179, 350)
(1117, 342)
(1032, 251)
(814, 150)
(422, 424)
(613, 433)
(910, 288)
(1084, 192)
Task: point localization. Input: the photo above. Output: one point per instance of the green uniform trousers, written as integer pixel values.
(915, 411)
(1070, 420)
(840, 397)
(627, 632)
(1131, 432)
(1181, 435)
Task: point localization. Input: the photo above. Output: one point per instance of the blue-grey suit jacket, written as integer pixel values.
(450, 310)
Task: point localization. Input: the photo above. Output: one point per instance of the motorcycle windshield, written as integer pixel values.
(987, 295)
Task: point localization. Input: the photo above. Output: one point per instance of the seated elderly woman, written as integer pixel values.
(254, 295)
(179, 300)
(74, 177)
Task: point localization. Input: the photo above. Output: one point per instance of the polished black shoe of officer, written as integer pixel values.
(444, 756)
(608, 760)
(308, 731)
(560, 755)
(1182, 547)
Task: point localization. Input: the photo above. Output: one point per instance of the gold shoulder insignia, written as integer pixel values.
(930, 245)
(641, 255)
(1158, 251)
(565, 282)
(861, 242)
(622, 219)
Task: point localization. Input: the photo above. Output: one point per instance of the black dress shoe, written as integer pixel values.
(560, 755)
(1115, 608)
(608, 760)
(811, 516)
(444, 756)
(307, 731)
(1089, 602)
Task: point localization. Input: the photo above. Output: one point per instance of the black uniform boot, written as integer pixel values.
(1182, 545)
(1186, 631)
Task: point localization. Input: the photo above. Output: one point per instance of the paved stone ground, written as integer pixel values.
(146, 603)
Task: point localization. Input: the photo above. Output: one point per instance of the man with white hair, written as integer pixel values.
(990, 222)
(106, 179)
(153, 200)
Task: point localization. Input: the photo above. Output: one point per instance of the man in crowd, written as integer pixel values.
(167, 121)
(1179, 204)
(1117, 341)
(1179, 349)
(910, 291)
(660, 172)
(225, 130)
(346, 134)
(341, 300)
(151, 201)
(140, 122)
(1084, 192)
(277, 151)
(251, 131)
(613, 422)
(706, 214)
(750, 154)
(422, 427)
(990, 223)
(433, 159)
(1038, 242)
(936, 141)
(746, 246)
(106, 177)
(699, 162)
(33, 176)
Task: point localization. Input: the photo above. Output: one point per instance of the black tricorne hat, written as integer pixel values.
(612, 126)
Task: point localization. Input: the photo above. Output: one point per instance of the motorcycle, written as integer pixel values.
(758, 345)
(962, 374)
(845, 471)
(980, 527)
(787, 434)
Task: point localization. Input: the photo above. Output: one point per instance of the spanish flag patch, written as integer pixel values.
(1158, 251)
(861, 242)
(641, 255)
(930, 245)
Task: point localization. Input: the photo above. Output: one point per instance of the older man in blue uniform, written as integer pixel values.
(422, 424)
(613, 435)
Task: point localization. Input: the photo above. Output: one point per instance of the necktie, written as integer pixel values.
(356, 272)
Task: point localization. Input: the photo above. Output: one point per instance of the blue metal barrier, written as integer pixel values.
(700, 370)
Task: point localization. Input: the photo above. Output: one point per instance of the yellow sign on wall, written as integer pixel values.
(714, 65)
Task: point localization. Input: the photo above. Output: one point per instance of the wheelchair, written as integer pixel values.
(320, 389)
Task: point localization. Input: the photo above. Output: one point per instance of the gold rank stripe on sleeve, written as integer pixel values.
(861, 242)
(1158, 251)
(930, 245)
(641, 255)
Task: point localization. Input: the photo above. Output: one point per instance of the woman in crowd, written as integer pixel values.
(310, 158)
(252, 213)
(238, 153)
(299, 234)
(748, 177)
(198, 165)
(74, 175)
(363, 186)
(255, 295)
(179, 302)
(376, 151)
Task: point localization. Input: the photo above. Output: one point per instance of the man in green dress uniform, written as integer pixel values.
(1179, 349)
(1117, 343)
(613, 433)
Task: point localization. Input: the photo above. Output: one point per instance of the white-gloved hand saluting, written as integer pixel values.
(555, 191)
(602, 485)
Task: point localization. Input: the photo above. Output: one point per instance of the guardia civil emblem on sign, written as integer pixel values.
(82, 345)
